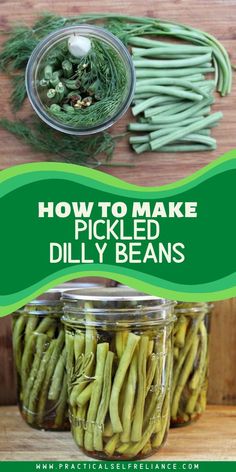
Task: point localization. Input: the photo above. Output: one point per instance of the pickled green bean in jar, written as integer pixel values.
(119, 366)
(190, 365)
(39, 353)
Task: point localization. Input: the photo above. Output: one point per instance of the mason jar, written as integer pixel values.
(119, 366)
(39, 354)
(63, 89)
(190, 365)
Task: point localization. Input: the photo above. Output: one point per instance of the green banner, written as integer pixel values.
(60, 221)
(119, 466)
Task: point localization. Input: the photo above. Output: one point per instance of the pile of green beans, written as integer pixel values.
(190, 368)
(131, 28)
(119, 387)
(173, 97)
(39, 354)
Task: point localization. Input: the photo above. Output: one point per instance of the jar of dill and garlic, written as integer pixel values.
(80, 79)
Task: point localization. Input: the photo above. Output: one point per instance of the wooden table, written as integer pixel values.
(218, 17)
(213, 437)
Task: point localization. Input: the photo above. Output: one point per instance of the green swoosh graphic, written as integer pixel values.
(17, 177)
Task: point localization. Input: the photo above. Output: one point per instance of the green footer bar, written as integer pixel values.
(87, 466)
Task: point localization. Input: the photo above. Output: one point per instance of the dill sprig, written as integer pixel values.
(84, 151)
(18, 94)
(93, 114)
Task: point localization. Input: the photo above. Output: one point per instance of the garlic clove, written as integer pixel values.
(79, 46)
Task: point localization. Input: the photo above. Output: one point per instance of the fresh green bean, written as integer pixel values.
(17, 338)
(187, 368)
(153, 43)
(166, 109)
(27, 358)
(102, 350)
(67, 68)
(152, 367)
(183, 115)
(62, 404)
(170, 91)
(184, 352)
(58, 375)
(121, 339)
(51, 93)
(194, 382)
(182, 72)
(68, 108)
(136, 433)
(203, 123)
(130, 391)
(69, 340)
(112, 444)
(33, 400)
(170, 64)
(59, 344)
(31, 325)
(79, 428)
(124, 363)
(200, 138)
(46, 323)
(104, 404)
(146, 126)
(132, 449)
(181, 329)
(174, 148)
(41, 344)
(79, 344)
(85, 395)
(173, 50)
(48, 70)
(90, 347)
(55, 79)
(44, 83)
(151, 102)
(60, 91)
(71, 84)
(162, 132)
(195, 86)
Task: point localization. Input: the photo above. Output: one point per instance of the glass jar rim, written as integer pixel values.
(111, 294)
(41, 48)
(197, 307)
(54, 307)
(148, 311)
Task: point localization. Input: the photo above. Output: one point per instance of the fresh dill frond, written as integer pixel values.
(17, 50)
(18, 94)
(94, 114)
(23, 39)
(86, 151)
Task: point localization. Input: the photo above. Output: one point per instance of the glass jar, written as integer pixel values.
(80, 96)
(190, 365)
(119, 365)
(39, 354)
